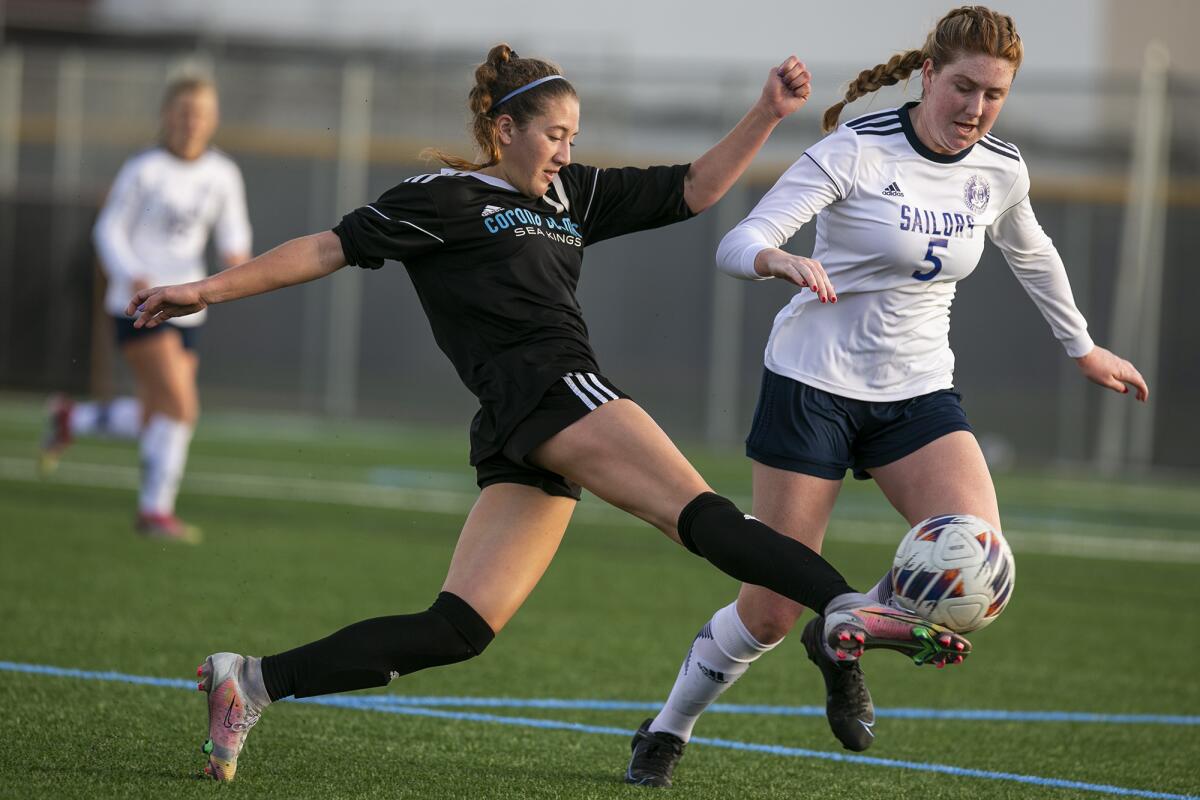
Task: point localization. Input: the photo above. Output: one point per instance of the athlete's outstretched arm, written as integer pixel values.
(1037, 264)
(298, 261)
(712, 174)
(751, 250)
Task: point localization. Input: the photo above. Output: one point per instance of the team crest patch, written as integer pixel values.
(977, 194)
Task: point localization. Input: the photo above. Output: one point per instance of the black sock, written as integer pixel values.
(744, 548)
(372, 652)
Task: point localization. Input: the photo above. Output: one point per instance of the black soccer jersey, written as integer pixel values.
(496, 271)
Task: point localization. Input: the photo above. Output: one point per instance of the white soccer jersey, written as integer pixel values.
(898, 226)
(157, 220)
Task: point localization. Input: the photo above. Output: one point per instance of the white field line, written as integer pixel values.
(1137, 547)
(260, 487)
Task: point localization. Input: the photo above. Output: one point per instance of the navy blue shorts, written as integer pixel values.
(567, 401)
(803, 429)
(127, 333)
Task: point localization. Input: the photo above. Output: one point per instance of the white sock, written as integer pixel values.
(85, 418)
(124, 418)
(721, 652)
(164, 448)
(120, 418)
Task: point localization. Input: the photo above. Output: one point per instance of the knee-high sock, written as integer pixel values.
(120, 418)
(744, 548)
(720, 654)
(164, 449)
(372, 652)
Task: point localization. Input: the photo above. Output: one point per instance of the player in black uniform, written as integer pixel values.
(494, 250)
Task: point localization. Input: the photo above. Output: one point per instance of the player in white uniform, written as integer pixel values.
(153, 229)
(859, 371)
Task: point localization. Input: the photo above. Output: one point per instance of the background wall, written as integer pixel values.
(323, 111)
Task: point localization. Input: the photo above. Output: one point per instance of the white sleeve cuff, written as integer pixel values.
(1079, 346)
(736, 254)
(745, 265)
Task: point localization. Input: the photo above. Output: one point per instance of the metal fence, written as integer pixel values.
(317, 133)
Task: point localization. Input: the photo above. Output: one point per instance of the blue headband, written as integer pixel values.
(526, 88)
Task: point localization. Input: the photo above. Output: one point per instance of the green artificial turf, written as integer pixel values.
(610, 621)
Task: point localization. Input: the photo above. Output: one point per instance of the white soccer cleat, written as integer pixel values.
(230, 715)
(58, 433)
(852, 631)
(167, 527)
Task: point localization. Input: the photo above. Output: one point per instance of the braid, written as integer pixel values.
(897, 68)
(964, 30)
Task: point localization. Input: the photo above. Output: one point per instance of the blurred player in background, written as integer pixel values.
(153, 229)
(903, 199)
(494, 249)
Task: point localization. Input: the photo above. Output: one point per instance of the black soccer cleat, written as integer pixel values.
(848, 704)
(654, 757)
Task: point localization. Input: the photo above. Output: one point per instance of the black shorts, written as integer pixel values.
(127, 333)
(803, 429)
(564, 403)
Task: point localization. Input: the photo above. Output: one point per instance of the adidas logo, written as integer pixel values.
(489, 210)
(893, 190)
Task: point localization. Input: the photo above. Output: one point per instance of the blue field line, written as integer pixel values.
(972, 715)
(770, 749)
(371, 703)
(88, 675)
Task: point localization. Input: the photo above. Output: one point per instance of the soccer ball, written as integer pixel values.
(954, 570)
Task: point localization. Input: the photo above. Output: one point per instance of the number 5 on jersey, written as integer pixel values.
(932, 259)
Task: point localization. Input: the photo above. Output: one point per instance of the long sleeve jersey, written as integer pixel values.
(156, 222)
(898, 225)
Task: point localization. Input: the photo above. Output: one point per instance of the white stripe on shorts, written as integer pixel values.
(600, 396)
(586, 401)
(611, 395)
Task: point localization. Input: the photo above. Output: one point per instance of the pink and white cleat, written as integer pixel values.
(230, 714)
(852, 631)
(58, 433)
(167, 526)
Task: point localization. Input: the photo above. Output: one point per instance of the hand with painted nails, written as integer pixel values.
(807, 273)
(1112, 372)
(158, 304)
